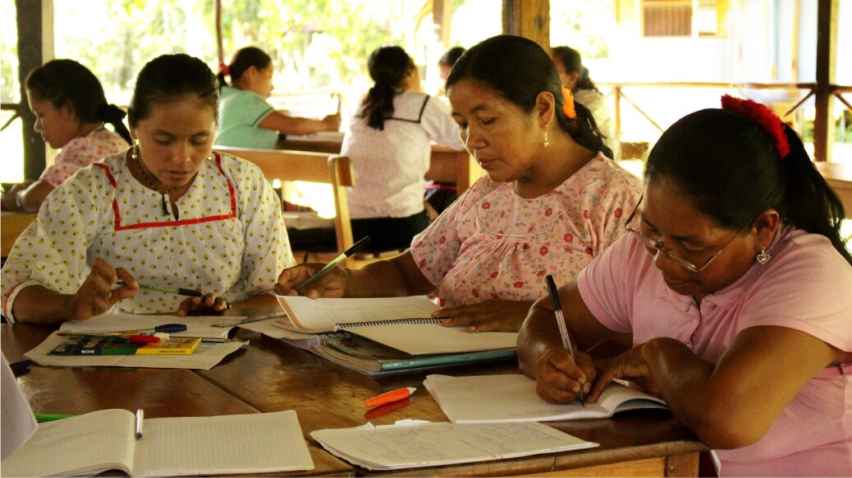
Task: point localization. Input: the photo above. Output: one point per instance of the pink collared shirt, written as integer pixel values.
(806, 286)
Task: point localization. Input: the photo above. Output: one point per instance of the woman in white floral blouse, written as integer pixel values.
(166, 214)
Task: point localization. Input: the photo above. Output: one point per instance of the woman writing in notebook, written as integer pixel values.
(164, 215)
(71, 110)
(389, 142)
(733, 282)
(246, 119)
(550, 202)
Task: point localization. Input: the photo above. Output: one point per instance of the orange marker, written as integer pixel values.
(389, 397)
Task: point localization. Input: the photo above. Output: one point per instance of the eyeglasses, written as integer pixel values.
(655, 244)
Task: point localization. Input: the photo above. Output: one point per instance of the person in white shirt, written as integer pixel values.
(389, 143)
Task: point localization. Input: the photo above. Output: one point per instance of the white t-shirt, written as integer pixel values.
(389, 164)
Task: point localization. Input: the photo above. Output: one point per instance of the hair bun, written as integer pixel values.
(111, 113)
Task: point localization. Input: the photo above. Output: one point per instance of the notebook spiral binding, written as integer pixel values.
(382, 323)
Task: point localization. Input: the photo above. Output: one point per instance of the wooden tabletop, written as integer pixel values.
(272, 376)
(160, 392)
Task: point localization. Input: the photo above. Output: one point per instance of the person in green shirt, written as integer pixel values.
(246, 119)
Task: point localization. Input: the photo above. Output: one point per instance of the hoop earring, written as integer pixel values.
(762, 257)
(546, 140)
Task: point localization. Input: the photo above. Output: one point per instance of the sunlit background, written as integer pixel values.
(319, 49)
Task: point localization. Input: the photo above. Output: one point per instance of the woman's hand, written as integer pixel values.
(332, 284)
(98, 292)
(630, 365)
(561, 377)
(208, 304)
(489, 316)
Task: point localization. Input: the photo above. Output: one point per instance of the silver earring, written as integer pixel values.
(763, 257)
(134, 151)
(546, 140)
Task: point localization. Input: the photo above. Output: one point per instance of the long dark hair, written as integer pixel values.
(169, 76)
(730, 167)
(66, 82)
(389, 66)
(572, 62)
(519, 69)
(245, 58)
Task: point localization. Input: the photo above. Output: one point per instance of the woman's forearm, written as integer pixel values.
(36, 304)
(684, 380)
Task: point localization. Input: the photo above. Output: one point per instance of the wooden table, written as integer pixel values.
(839, 177)
(160, 392)
(13, 224)
(446, 165)
(270, 376)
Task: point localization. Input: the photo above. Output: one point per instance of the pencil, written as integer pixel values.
(167, 290)
(332, 264)
(560, 322)
(42, 417)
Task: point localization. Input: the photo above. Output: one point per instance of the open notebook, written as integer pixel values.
(512, 398)
(436, 444)
(403, 323)
(105, 440)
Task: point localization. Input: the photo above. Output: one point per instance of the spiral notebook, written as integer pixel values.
(402, 323)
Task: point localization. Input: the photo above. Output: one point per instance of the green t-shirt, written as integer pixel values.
(240, 112)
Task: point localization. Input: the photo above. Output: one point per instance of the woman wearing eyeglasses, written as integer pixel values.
(732, 297)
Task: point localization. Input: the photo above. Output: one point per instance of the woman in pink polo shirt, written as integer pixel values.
(732, 297)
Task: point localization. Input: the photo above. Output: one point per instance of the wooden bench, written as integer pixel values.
(13, 224)
(325, 168)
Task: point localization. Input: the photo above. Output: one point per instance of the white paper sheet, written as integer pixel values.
(17, 416)
(436, 444)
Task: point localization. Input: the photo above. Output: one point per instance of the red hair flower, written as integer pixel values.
(763, 116)
(224, 69)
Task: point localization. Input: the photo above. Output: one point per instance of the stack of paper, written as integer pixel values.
(438, 444)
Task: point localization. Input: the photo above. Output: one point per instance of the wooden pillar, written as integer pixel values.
(442, 15)
(826, 56)
(35, 46)
(528, 18)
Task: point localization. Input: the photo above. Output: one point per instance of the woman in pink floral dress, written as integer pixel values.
(550, 203)
(70, 108)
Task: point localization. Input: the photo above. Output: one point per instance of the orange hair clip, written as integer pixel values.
(568, 106)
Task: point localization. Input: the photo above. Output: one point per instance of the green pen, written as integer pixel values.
(49, 417)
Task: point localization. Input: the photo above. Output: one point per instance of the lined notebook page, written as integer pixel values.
(512, 398)
(250, 443)
(422, 339)
(321, 315)
(435, 444)
(85, 444)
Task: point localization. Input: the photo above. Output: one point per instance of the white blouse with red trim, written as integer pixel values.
(226, 236)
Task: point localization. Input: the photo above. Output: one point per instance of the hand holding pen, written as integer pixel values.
(317, 280)
(576, 372)
(99, 292)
